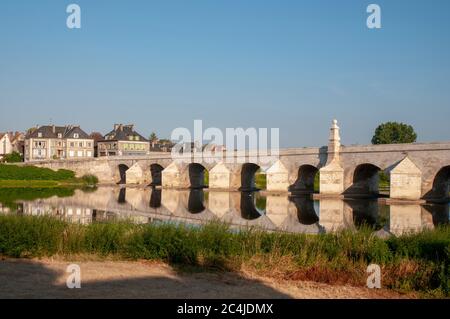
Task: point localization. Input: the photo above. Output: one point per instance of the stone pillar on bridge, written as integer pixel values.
(175, 176)
(406, 181)
(332, 174)
(220, 177)
(136, 175)
(277, 178)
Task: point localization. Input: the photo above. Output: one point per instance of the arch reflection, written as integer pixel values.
(248, 206)
(306, 213)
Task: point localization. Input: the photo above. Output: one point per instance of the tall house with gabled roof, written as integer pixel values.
(58, 142)
(123, 141)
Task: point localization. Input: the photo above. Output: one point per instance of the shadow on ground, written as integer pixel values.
(21, 278)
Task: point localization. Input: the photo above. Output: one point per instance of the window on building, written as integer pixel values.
(39, 134)
(72, 144)
(76, 135)
(71, 154)
(80, 144)
(80, 153)
(59, 135)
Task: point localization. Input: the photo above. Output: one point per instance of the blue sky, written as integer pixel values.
(295, 65)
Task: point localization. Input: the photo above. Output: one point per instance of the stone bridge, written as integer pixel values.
(417, 171)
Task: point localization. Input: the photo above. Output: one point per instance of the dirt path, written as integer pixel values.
(113, 279)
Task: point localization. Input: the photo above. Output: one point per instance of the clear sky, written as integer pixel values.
(160, 64)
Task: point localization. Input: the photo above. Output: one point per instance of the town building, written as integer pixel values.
(123, 141)
(5, 145)
(161, 146)
(17, 142)
(58, 142)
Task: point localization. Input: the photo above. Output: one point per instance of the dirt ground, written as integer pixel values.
(46, 278)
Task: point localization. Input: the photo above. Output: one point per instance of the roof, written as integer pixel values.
(123, 133)
(16, 136)
(51, 131)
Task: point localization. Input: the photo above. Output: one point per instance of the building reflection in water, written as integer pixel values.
(272, 212)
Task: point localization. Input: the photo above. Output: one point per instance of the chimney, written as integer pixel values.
(53, 129)
(117, 126)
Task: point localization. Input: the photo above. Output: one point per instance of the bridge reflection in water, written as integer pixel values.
(298, 214)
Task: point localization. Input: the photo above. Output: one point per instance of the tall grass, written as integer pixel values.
(417, 262)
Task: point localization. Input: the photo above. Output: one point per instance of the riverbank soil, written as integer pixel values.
(46, 278)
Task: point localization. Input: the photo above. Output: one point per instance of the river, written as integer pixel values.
(297, 214)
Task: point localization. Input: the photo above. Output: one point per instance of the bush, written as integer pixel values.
(14, 157)
(90, 179)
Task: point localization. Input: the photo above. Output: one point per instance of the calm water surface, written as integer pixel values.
(239, 209)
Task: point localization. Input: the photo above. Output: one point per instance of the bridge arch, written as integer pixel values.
(305, 179)
(156, 174)
(248, 178)
(197, 174)
(364, 180)
(441, 184)
(123, 168)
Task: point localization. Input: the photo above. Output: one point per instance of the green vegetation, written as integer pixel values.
(13, 172)
(31, 176)
(261, 180)
(206, 177)
(90, 180)
(394, 133)
(317, 182)
(153, 138)
(14, 157)
(417, 262)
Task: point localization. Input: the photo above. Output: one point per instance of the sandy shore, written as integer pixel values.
(46, 278)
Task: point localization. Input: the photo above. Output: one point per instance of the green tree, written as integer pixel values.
(153, 138)
(394, 133)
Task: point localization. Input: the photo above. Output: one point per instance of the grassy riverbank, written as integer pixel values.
(417, 262)
(13, 176)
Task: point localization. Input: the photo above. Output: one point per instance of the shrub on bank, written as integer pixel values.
(14, 157)
(90, 179)
(417, 262)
